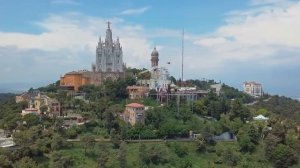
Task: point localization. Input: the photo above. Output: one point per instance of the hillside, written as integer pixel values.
(283, 106)
(105, 140)
(6, 96)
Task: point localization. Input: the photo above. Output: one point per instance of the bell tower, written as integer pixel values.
(154, 58)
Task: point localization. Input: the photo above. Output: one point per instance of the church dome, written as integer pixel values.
(154, 52)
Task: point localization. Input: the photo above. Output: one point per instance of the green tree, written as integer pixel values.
(271, 142)
(283, 156)
(262, 111)
(200, 144)
(254, 134)
(26, 162)
(185, 163)
(5, 162)
(44, 109)
(142, 155)
(122, 155)
(28, 137)
(235, 125)
(31, 120)
(245, 144)
(156, 154)
(57, 142)
(10, 121)
(180, 150)
(87, 141)
(238, 110)
(71, 133)
(279, 130)
(115, 139)
(185, 114)
(109, 119)
(230, 157)
(102, 155)
(57, 160)
(199, 107)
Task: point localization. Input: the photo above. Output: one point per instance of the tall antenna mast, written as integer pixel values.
(182, 57)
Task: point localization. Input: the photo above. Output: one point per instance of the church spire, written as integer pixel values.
(108, 38)
(109, 55)
(108, 24)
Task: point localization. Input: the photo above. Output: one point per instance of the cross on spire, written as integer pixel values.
(108, 24)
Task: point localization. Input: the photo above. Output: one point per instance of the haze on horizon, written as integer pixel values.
(232, 42)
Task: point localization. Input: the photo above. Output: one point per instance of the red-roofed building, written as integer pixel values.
(134, 113)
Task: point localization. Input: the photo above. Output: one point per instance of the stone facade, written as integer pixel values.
(74, 79)
(109, 54)
(134, 113)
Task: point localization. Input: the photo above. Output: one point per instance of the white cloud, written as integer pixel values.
(135, 11)
(268, 2)
(68, 43)
(259, 35)
(211, 41)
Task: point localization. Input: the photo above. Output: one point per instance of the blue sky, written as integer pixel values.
(232, 41)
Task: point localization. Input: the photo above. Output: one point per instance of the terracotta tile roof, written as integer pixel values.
(137, 105)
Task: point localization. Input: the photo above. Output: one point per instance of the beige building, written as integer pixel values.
(134, 113)
(53, 106)
(26, 96)
(40, 100)
(30, 110)
(253, 88)
(217, 88)
(22, 97)
(137, 92)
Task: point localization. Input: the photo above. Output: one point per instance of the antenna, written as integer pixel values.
(182, 57)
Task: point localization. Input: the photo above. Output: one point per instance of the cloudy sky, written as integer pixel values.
(229, 41)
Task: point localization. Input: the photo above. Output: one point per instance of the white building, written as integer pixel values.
(253, 89)
(160, 78)
(260, 118)
(217, 88)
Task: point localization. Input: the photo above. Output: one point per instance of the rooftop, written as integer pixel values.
(255, 83)
(136, 105)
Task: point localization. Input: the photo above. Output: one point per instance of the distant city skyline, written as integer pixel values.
(232, 42)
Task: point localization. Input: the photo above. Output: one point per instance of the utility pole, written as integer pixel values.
(182, 49)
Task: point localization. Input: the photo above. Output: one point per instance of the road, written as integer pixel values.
(140, 140)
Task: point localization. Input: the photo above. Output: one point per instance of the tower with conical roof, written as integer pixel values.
(109, 54)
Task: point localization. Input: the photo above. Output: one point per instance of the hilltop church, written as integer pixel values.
(109, 64)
